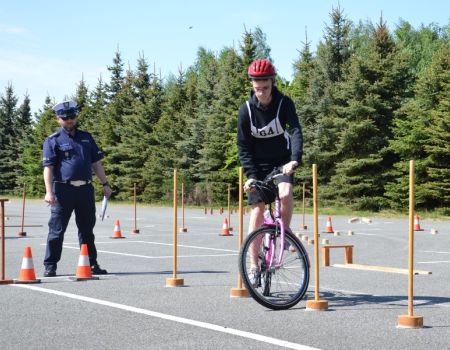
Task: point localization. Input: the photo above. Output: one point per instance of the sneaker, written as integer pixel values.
(50, 271)
(254, 276)
(97, 270)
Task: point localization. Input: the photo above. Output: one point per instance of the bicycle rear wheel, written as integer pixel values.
(278, 287)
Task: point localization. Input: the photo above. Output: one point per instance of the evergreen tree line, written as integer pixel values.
(368, 99)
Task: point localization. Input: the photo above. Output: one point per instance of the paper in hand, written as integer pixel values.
(104, 206)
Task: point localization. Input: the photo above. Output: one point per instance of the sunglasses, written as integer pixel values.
(67, 117)
(66, 114)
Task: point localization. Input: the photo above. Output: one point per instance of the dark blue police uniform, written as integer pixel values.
(71, 158)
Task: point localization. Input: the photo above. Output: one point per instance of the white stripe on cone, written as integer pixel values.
(27, 263)
(83, 260)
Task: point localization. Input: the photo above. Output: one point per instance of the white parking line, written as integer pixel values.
(157, 257)
(159, 243)
(433, 262)
(431, 251)
(210, 326)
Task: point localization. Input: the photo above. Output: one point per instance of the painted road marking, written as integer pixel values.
(157, 257)
(210, 326)
(433, 262)
(159, 243)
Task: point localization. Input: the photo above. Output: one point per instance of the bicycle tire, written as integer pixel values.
(280, 288)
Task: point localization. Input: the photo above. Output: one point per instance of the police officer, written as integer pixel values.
(69, 157)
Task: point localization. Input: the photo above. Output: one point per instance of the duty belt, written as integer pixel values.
(76, 183)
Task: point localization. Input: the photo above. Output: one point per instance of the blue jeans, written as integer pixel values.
(68, 199)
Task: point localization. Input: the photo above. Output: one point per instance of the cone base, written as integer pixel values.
(27, 281)
(317, 305)
(182, 229)
(83, 278)
(117, 237)
(328, 232)
(135, 231)
(6, 281)
(418, 229)
(239, 293)
(406, 321)
(225, 234)
(174, 282)
(21, 234)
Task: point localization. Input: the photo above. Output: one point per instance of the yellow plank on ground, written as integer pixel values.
(380, 268)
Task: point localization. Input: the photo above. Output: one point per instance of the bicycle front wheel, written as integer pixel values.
(274, 285)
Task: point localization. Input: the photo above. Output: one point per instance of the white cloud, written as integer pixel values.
(12, 29)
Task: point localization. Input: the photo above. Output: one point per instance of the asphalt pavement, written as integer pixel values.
(131, 307)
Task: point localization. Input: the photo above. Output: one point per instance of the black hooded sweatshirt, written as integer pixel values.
(268, 136)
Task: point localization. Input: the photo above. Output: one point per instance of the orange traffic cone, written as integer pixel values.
(225, 228)
(417, 224)
(329, 228)
(27, 274)
(84, 267)
(117, 232)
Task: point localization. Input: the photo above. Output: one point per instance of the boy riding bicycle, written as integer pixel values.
(264, 141)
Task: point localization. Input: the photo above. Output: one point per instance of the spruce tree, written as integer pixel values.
(219, 155)
(374, 90)
(164, 153)
(422, 133)
(262, 48)
(117, 75)
(206, 71)
(331, 66)
(25, 128)
(46, 125)
(9, 139)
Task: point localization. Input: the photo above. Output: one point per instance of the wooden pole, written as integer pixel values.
(135, 230)
(174, 281)
(240, 291)
(304, 227)
(316, 304)
(229, 208)
(410, 321)
(22, 233)
(3, 280)
(182, 228)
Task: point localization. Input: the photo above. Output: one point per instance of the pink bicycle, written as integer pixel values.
(273, 263)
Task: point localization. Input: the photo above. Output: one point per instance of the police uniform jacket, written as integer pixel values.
(71, 156)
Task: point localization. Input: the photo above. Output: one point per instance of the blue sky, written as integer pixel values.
(47, 46)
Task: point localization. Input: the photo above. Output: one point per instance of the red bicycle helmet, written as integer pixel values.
(261, 69)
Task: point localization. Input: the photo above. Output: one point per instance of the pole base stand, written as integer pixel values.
(406, 321)
(317, 305)
(135, 231)
(21, 234)
(239, 293)
(174, 282)
(182, 229)
(78, 279)
(27, 282)
(6, 281)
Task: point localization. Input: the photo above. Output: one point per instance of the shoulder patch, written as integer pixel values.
(55, 134)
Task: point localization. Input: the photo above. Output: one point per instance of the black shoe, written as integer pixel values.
(97, 270)
(50, 271)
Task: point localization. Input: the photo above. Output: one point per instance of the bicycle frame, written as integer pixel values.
(275, 221)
